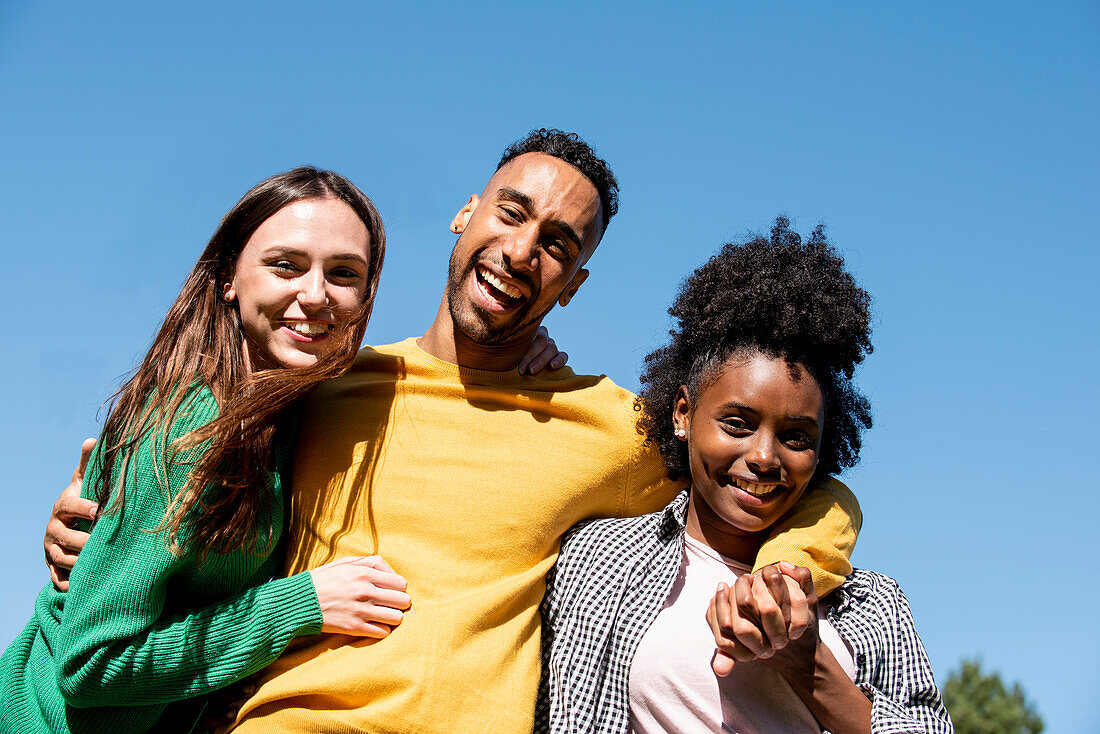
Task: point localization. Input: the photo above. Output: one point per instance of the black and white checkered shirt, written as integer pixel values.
(612, 579)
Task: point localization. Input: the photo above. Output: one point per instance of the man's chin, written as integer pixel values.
(485, 328)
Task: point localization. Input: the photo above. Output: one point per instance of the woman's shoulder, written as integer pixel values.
(197, 408)
(871, 582)
(157, 467)
(871, 594)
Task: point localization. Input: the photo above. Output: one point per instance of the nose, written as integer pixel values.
(312, 292)
(521, 252)
(763, 456)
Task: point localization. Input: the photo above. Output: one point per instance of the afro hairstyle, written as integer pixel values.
(779, 296)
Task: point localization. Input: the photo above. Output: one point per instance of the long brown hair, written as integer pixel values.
(202, 342)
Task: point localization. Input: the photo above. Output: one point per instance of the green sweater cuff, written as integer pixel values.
(239, 637)
(299, 609)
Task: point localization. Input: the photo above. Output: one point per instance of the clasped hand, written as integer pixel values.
(762, 614)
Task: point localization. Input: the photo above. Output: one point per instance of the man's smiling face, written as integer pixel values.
(521, 248)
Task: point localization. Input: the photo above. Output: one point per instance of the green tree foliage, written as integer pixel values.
(979, 703)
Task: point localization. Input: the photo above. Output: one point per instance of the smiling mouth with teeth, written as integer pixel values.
(508, 293)
(756, 490)
(308, 328)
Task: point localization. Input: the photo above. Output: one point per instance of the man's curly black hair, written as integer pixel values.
(778, 296)
(570, 148)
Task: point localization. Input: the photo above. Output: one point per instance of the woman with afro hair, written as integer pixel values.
(753, 402)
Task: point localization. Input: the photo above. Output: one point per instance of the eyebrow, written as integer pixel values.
(793, 418)
(507, 192)
(284, 250)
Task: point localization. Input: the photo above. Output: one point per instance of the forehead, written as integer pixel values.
(767, 385)
(557, 189)
(314, 225)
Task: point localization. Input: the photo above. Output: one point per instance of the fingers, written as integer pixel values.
(360, 596)
(71, 506)
(760, 614)
(58, 557)
(776, 583)
(722, 664)
(373, 630)
(770, 605)
(62, 543)
(377, 562)
(803, 598)
(801, 575)
(397, 600)
(538, 346)
(376, 572)
(543, 352)
(746, 624)
(85, 453)
(59, 578)
(69, 539)
(379, 573)
(736, 637)
(386, 615)
(549, 356)
(560, 360)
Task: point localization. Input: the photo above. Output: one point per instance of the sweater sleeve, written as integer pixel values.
(820, 533)
(118, 644)
(647, 488)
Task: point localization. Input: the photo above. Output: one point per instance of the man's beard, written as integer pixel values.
(476, 324)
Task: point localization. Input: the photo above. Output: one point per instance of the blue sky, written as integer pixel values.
(951, 150)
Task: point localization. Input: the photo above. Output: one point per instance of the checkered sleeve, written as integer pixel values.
(892, 666)
(547, 609)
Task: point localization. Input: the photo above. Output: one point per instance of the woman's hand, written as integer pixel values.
(63, 541)
(771, 616)
(761, 614)
(360, 596)
(542, 352)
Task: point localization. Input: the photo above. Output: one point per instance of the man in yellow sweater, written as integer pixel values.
(438, 455)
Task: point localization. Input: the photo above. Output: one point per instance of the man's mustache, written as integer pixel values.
(515, 275)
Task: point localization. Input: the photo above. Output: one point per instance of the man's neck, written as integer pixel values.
(444, 342)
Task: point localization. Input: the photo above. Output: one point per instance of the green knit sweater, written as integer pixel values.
(142, 634)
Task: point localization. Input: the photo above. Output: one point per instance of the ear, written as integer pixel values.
(681, 412)
(458, 224)
(573, 287)
(229, 292)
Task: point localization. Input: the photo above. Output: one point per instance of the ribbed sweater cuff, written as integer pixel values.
(298, 608)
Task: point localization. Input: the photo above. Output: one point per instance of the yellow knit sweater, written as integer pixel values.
(464, 481)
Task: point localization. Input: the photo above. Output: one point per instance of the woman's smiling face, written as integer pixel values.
(753, 435)
(299, 278)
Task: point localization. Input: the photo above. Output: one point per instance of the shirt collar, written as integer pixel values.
(674, 516)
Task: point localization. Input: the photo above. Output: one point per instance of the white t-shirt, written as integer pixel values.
(674, 689)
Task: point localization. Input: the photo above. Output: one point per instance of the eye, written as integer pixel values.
(284, 266)
(510, 214)
(736, 426)
(557, 249)
(798, 440)
(345, 273)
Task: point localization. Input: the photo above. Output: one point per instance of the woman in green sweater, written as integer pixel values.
(173, 597)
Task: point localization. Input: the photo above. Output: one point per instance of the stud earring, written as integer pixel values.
(681, 434)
